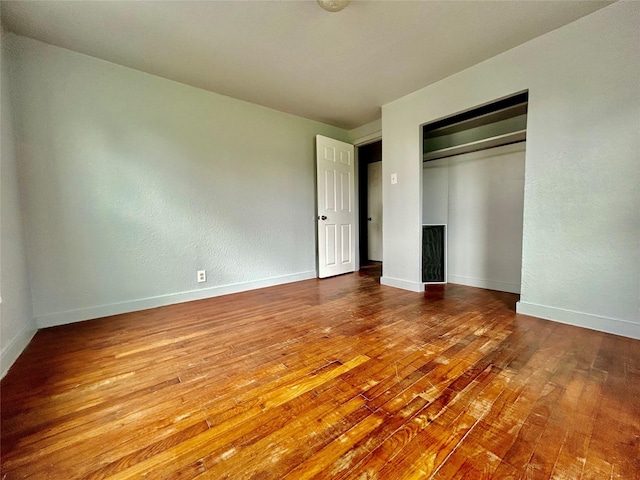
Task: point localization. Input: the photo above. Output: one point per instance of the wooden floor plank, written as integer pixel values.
(334, 378)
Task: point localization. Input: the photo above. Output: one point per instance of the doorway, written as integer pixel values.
(336, 213)
(473, 186)
(370, 202)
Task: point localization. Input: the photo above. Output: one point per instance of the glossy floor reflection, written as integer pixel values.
(334, 378)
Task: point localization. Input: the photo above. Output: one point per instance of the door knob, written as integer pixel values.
(369, 218)
(323, 217)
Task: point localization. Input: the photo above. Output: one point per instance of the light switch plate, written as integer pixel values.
(394, 178)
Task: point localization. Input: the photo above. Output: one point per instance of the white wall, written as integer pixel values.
(133, 182)
(435, 192)
(480, 197)
(17, 326)
(366, 133)
(581, 249)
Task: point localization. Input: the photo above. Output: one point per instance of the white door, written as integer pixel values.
(336, 215)
(374, 211)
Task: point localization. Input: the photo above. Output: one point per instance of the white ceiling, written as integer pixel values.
(338, 68)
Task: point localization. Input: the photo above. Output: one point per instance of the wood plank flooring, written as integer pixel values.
(338, 378)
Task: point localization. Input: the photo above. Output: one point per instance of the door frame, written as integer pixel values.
(357, 143)
(361, 142)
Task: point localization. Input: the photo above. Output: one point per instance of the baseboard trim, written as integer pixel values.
(484, 283)
(14, 348)
(403, 284)
(615, 326)
(79, 315)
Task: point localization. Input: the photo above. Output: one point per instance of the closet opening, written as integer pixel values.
(473, 196)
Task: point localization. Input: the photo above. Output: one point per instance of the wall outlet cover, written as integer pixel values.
(202, 276)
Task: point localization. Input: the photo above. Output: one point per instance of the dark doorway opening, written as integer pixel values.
(367, 154)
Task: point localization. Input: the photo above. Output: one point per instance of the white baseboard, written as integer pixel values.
(14, 348)
(403, 284)
(616, 326)
(71, 316)
(483, 283)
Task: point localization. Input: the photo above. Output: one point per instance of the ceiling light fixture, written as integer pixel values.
(333, 5)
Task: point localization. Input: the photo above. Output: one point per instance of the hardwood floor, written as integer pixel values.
(335, 378)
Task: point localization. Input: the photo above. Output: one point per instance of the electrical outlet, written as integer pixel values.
(202, 276)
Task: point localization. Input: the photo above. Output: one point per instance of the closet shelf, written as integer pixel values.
(483, 144)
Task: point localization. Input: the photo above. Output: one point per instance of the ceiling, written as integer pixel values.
(337, 68)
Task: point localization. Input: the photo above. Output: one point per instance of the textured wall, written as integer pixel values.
(16, 318)
(581, 249)
(366, 133)
(133, 182)
(480, 197)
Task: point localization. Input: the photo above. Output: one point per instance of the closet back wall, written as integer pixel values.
(480, 196)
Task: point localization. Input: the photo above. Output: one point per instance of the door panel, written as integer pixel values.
(345, 236)
(374, 211)
(346, 192)
(331, 245)
(330, 190)
(336, 216)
